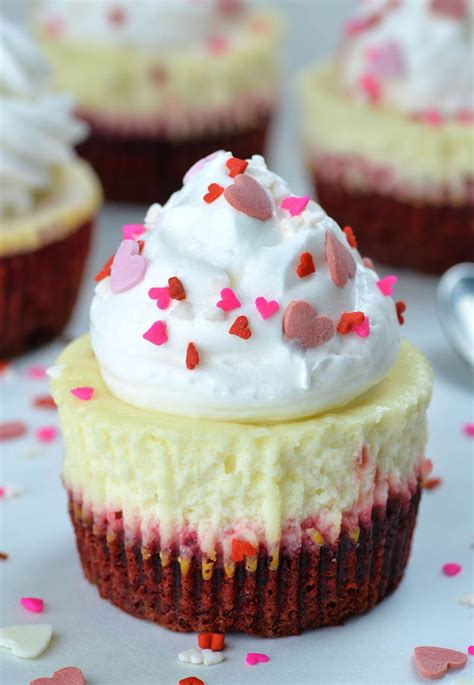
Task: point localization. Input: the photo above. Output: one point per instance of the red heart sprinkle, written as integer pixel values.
(214, 191)
(236, 166)
(349, 321)
(175, 289)
(191, 680)
(214, 641)
(304, 326)
(44, 402)
(106, 269)
(306, 265)
(70, 675)
(432, 483)
(240, 327)
(433, 662)
(192, 356)
(350, 235)
(242, 549)
(341, 263)
(204, 640)
(246, 195)
(12, 429)
(400, 307)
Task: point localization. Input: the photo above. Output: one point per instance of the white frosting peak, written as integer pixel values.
(233, 265)
(415, 55)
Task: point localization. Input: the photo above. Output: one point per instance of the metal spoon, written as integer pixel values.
(456, 308)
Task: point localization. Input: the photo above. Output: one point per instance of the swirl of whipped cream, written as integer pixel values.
(413, 55)
(38, 128)
(228, 251)
(168, 24)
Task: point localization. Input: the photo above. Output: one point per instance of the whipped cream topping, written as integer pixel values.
(415, 55)
(164, 24)
(257, 288)
(38, 129)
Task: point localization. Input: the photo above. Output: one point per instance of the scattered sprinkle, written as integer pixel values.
(191, 680)
(295, 205)
(105, 271)
(241, 549)
(128, 267)
(266, 308)
(43, 402)
(228, 301)
(191, 656)
(306, 265)
(246, 195)
(433, 662)
(47, 434)
(214, 190)
(303, 325)
(451, 569)
(241, 328)
(210, 658)
(161, 295)
(156, 334)
(175, 289)
(132, 231)
(349, 321)
(467, 599)
(432, 483)
(363, 330)
(214, 641)
(371, 87)
(341, 263)
(70, 675)
(192, 356)
(116, 16)
(400, 307)
(33, 604)
(236, 166)
(4, 556)
(350, 235)
(468, 429)
(85, 393)
(385, 285)
(12, 429)
(254, 658)
(218, 45)
(36, 372)
(27, 641)
(10, 491)
(432, 117)
(470, 650)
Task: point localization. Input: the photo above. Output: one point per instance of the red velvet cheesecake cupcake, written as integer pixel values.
(48, 199)
(388, 129)
(162, 84)
(244, 431)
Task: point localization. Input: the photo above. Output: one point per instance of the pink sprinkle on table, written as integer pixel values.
(84, 393)
(33, 604)
(468, 429)
(12, 429)
(451, 569)
(47, 433)
(36, 371)
(254, 658)
(2, 491)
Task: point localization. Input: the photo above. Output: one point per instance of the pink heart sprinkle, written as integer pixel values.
(161, 295)
(2, 491)
(128, 267)
(370, 87)
(468, 429)
(451, 569)
(295, 205)
(228, 300)
(47, 433)
(34, 604)
(84, 393)
(470, 650)
(363, 331)
(132, 231)
(254, 658)
(70, 675)
(36, 371)
(156, 334)
(266, 308)
(385, 285)
(432, 117)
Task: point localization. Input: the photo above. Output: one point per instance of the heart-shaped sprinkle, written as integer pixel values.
(228, 300)
(175, 289)
(451, 569)
(105, 271)
(341, 263)
(248, 197)
(266, 308)
(36, 372)
(349, 321)
(214, 641)
(468, 429)
(350, 235)
(433, 662)
(46, 434)
(371, 87)
(70, 675)
(241, 549)
(400, 307)
(191, 680)
(455, 9)
(191, 656)
(467, 599)
(210, 658)
(83, 393)
(240, 328)
(12, 429)
(27, 641)
(385, 285)
(214, 190)
(218, 45)
(303, 325)
(156, 334)
(128, 267)
(363, 329)
(254, 658)
(132, 231)
(44, 402)
(192, 356)
(161, 295)
(236, 166)
(470, 650)
(116, 16)
(33, 604)
(295, 205)
(306, 265)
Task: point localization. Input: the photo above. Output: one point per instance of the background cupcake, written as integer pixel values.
(163, 84)
(388, 130)
(48, 199)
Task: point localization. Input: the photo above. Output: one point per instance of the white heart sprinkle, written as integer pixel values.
(26, 641)
(210, 658)
(191, 656)
(467, 599)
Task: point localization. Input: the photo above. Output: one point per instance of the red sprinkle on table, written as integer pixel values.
(349, 321)
(242, 549)
(350, 235)
(240, 327)
(3, 556)
(192, 356)
(214, 641)
(116, 16)
(106, 269)
(12, 429)
(175, 289)
(214, 191)
(306, 265)
(44, 402)
(432, 483)
(191, 680)
(400, 307)
(236, 166)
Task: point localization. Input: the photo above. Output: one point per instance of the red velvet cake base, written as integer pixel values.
(316, 586)
(422, 236)
(147, 170)
(38, 290)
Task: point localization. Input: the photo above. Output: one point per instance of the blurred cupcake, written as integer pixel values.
(388, 129)
(163, 84)
(48, 199)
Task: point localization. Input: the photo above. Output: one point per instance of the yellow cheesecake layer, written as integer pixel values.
(422, 161)
(73, 200)
(224, 480)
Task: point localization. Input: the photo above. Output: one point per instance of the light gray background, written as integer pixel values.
(115, 649)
